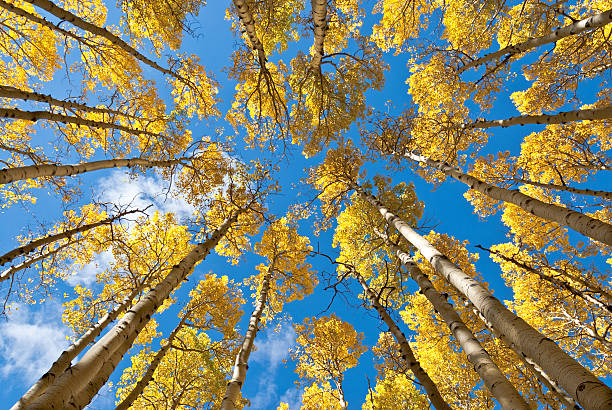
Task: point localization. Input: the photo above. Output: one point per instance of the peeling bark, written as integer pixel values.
(29, 247)
(234, 386)
(591, 23)
(69, 386)
(47, 170)
(407, 354)
(590, 114)
(499, 386)
(586, 225)
(590, 392)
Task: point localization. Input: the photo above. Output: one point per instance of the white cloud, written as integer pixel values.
(274, 347)
(293, 397)
(86, 275)
(30, 341)
(140, 192)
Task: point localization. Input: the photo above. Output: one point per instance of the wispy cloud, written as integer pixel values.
(141, 192)
(86, 275)
(293, 397)
(272, 349)
(30, 341)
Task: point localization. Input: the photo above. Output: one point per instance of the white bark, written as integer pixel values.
(590, 392)
(591, 23)
(234, 386)
(499, 386)
(557, 187)
(65, 359)
(586, 225)
(66, 15)
(407, 354)
(29, 262)
(246, 18)
(68, 389)
(590, 114)
(15, 113)
(148, 376)
(9, 175)
(319, 21)
(29, 247)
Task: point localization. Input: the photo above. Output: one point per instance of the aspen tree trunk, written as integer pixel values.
(560, 118)
(15, 113)
(48, 170)
(580, 383)
(27, 248)
(246, 18)
(242, 358)
(68, 386)
(569, 402)
(499, 386)
(148, 376)
(66, 15)
(407, 354)
(591, 23)
(18, 94)
(65, 359)
(591, 227)
(559, 283)
(579, 191)
(26, 264)
(319, 21)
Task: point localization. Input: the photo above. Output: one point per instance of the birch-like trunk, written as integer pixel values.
(499, 386)
(15, 113)
(590, 392)
(248, 22)
(555, 281)
(591, 23)
(557, 187)
(590, 114)
(68, 387)
(18, 94)
(27, 263)
(591, 227)
(242, 358)
(76, 21)
(48, 170)
(148, 376)
(550, 384)
(65, 359)
(29, 247)
(319, 22)
(406, 351)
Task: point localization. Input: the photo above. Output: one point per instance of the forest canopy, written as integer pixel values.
(316, 205)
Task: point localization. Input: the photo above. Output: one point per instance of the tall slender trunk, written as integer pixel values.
(68, 355)
(148, 376)
(29, 247)
(557, 187)
(407, 354)
(319, 22)
(591, 227)
(15, 113)
(590, 114)
(545, 379)
(248, 22)
(591, 23)
(580, 383)
(66, 15)
(48, 170)
(499, 386)
(241, 364)
(67, 388)
(18, 94)
(559, 283)
(27, 263)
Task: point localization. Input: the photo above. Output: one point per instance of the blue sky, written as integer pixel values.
(33, 336)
